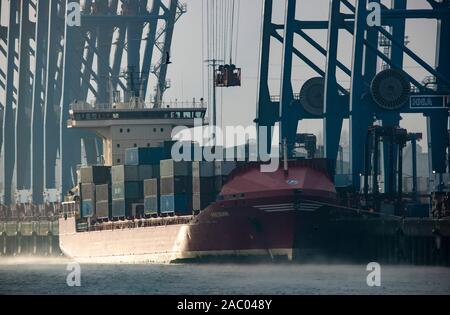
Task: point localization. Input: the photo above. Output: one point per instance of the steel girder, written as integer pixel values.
(37, 121)
(134, 32)
(172, 13)
(149, 47)
(3, 38)
(335, 109)
(437, 123)
(53, 91)
(24, 104)
(267, 111)
(9, 137)
(70, 140)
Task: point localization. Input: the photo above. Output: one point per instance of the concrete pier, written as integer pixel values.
(389, 241)
(34, 238)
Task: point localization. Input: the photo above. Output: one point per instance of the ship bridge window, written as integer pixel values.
(198, 114)
(80, 116)
(187, 115)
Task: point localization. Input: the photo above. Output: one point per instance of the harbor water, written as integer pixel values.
(49, 276)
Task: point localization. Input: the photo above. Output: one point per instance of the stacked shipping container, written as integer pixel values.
(103, 201)
(151, 196)
(203, 184)
(149, 184)
(90, 176)
(176, 187)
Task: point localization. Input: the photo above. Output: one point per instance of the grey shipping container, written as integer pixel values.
(176, 185)
(124, 207)
(151, 205)
(87, 191)
(125, 173)
(201, 201)
(171, 168)
(103, 209)
(203, 185)
(95, 174)
(118, 208)
(102, 192)
(127, 190)
(151, 187)
(202, 169)
(146, 172)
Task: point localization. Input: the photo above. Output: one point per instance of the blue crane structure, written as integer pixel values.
(51, 62)
(375, 93)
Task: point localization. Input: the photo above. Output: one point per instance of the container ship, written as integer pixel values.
(149, 208)
(255, 214)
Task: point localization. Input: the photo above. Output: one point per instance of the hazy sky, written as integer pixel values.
(238, 105)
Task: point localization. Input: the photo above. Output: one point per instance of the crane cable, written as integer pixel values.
(238, 14)
(232, 32)
(223, 18)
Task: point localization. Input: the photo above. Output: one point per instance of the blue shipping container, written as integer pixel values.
(87, 208)
(180, 204)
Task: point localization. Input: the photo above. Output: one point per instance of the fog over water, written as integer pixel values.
(48, 276)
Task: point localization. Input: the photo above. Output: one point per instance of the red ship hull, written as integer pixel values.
(264, 214)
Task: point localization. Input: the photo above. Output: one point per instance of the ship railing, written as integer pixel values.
(277, 98)
(83, 106)
(133, 224)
